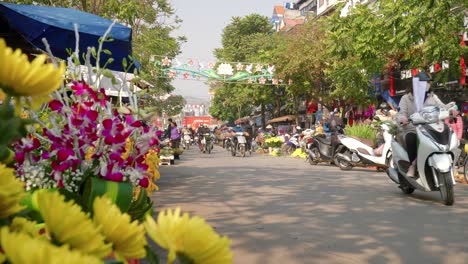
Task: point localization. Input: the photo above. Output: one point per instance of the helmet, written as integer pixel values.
(269, 126)
(298, 127)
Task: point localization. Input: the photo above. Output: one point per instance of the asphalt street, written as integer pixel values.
(283, 210)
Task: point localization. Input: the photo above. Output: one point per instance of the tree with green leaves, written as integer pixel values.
(372, 40)
(171, 106)
(301, 60)
(245, 39)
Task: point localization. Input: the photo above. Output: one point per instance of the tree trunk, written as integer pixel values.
(84, 5)
(296, 109)
(263, 116)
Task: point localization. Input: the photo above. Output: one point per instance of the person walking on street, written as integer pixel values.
(175, 138)
(167, 132)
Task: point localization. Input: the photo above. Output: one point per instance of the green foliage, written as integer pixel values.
(230, 102)
(361, 131)
(12, 127)
(245, 39)
(373, 40)
(236, 38)
(172, 106)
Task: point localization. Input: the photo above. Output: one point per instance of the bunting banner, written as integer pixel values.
(190, 69)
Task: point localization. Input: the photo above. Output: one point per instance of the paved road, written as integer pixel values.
(283, 210)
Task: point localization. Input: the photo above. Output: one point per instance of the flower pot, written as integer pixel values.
(121, 193)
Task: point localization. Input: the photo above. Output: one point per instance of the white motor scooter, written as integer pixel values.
(436, 145)
(354, 153)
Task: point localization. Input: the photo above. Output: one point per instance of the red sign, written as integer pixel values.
(195, 121)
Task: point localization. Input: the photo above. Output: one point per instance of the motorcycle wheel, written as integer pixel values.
(233, 151)
(209, 148)
(389, 163)
(465, 169)
(446, 187)
(343, 164)
(187, 146)
(242, 150)
(314, 161)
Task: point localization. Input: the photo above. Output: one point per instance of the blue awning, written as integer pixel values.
(57, 26)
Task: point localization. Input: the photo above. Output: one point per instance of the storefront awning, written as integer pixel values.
(57, 26)
(286, 118)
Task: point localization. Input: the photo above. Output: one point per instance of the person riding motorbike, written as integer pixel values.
(335, 123)
(413, 101)
(202, 129)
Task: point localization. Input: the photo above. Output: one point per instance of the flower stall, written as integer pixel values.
(76, 174)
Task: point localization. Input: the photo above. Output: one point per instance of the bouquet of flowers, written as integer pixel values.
(274, 142)
(84, 139)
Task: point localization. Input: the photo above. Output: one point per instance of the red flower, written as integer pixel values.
(144, 182)
(56, 105)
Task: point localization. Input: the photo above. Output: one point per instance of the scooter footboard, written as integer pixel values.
(441, 162)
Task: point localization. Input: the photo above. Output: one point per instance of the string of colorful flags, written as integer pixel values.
(191, 69)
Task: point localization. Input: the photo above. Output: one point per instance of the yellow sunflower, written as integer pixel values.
(127, 238)
(21, 248)
(191, 237)
(67, 224)
(23, 225)
(11, 192)
(24, 78)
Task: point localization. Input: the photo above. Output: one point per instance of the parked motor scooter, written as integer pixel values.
(324, 149)
(290, 144)
(354, 153)
(227, 143)
(436, 145)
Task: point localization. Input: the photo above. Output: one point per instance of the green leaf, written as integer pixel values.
(124, 63)
(107, 73)
(151, 256)
(106, 51)
(93, 52)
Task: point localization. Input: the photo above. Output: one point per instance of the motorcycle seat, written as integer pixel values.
(326, 141)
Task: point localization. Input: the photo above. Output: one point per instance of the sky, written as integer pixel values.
(203, 24)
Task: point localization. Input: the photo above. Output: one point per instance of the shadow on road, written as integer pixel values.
(282, 210)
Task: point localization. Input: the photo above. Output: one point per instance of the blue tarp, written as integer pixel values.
(57, 26)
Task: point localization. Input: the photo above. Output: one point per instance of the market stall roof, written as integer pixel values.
(286, 118)
(56, 24)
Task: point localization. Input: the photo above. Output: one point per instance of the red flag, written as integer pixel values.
(462, 64)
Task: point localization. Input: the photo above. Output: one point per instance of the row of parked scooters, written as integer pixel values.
(437, 154)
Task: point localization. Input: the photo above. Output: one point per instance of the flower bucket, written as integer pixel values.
(121, 193)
